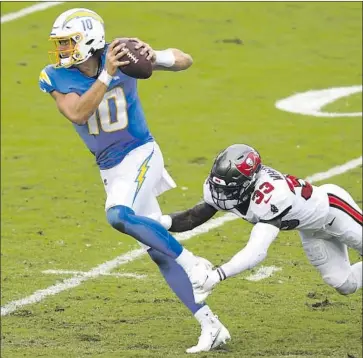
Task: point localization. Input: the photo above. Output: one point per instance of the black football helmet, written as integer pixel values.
(233, 175)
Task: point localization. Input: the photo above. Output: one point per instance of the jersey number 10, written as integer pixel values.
(111, 115)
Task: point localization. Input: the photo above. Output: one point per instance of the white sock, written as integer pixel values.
(357, 272)
(205, 316)
(186, 259)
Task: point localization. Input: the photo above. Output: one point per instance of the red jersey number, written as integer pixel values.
(259, 194)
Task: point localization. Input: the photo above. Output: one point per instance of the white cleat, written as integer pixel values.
(213, 335)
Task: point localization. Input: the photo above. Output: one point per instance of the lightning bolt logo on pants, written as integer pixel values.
(142, 174)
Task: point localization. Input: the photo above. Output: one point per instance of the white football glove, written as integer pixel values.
(208, 282)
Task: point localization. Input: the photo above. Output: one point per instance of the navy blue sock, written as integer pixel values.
(176, 278)
(143, 229)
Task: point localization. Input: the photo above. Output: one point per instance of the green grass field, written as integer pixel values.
(246, 57)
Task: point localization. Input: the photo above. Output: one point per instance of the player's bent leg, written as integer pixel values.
(351, 284)
(151, 233)
(178, 281)
(345, 224)
(345, 217)
(330, 258)
(129, 186)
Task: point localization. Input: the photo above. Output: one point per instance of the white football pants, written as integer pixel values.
(327, 250)
(137, 181)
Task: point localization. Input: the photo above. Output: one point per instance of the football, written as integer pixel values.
(139, 66)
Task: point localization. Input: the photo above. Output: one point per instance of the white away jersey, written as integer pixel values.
(299, 204)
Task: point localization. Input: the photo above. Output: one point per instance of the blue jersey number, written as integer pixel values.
(111, 115)
(87, 24)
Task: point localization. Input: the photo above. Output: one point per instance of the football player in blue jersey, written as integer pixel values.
(103, 105)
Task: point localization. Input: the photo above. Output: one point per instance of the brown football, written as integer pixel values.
(139, 66)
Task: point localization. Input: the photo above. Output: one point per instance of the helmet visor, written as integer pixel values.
(228, 197)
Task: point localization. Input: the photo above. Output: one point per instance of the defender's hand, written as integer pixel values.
(209, 282)
(114, 54)
(147, 49)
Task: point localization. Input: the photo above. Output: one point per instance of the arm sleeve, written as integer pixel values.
(189, 219)
(262, 235)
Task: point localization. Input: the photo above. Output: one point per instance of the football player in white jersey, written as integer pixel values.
(104, 107)
(326, 217)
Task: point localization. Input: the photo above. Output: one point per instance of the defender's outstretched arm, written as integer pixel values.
(189, 219)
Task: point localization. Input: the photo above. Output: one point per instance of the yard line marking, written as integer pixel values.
(107, 266)
(29, 10)
(312, 102)
(263, 272)
(82, 273)
(336, 170)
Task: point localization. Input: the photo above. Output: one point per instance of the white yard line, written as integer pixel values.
(82, 273)
(108, 266)
(335, 170)
(262, 273)
(29, 10)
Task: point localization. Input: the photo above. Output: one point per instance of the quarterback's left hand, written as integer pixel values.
(147, 49)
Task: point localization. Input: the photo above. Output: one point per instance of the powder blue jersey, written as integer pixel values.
(118, 126)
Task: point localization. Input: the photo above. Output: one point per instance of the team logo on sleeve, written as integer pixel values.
(45, 78)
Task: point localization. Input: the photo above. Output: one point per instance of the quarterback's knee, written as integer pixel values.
(117, 216)
(349, 286)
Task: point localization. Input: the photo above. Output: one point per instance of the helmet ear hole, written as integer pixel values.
(89, 42)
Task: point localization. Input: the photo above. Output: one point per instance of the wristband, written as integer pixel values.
(222, 275)
(165, 58)
(105, 78)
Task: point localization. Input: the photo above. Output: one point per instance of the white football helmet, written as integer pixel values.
(76, 34)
